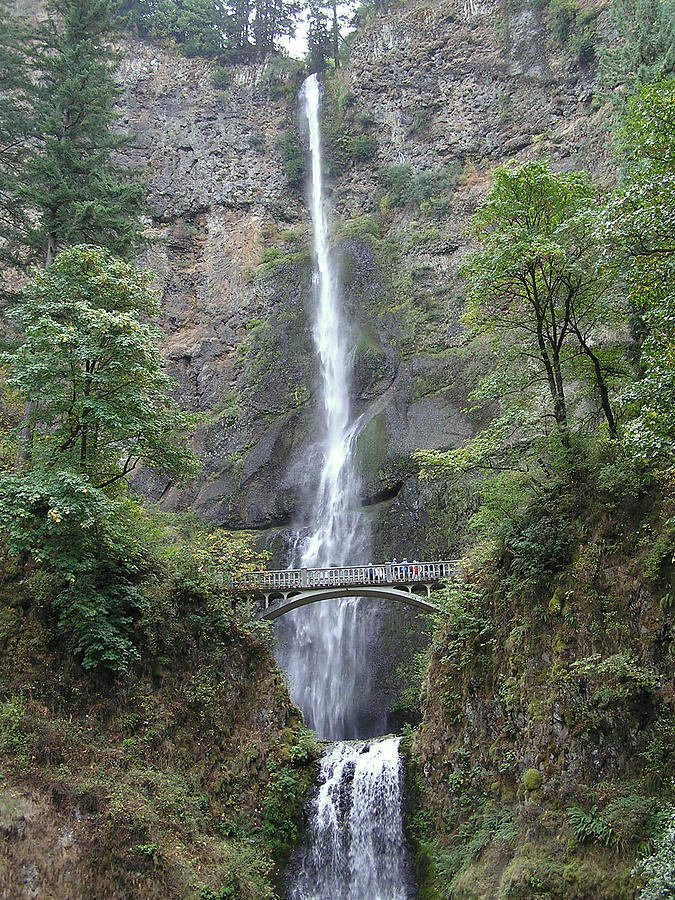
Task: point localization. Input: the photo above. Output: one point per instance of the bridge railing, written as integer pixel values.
(342, 576)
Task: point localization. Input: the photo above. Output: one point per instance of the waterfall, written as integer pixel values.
(324, 648)
(356, 850)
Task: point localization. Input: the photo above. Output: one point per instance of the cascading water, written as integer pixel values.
(357, 850)
(325, 648)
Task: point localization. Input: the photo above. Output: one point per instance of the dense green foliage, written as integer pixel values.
(105, 405)
(658, 870)
(59, 181)
(92, 356)
(89, 558)
(426, 190)
(639, 227)
(645, 51)
(181, 764)
(225, 30)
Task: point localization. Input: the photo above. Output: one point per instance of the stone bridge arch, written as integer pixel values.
(277, 604)
(282, 590)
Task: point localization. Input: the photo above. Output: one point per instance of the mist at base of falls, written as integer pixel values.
(356, 848)
(329, 668)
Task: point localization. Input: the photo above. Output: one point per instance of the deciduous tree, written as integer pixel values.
(639, 229)
(537, 289)
(91, 359)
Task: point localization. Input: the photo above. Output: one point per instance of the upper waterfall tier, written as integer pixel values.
(325, 650)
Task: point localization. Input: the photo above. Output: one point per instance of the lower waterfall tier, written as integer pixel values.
(356, 848)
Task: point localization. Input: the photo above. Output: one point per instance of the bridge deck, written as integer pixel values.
(285, 580)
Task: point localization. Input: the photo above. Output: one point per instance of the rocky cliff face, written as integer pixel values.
(443, 89)
(545, 755)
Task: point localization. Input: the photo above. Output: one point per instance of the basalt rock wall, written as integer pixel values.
(435, 91)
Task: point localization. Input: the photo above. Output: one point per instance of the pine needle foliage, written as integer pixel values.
(61, 181)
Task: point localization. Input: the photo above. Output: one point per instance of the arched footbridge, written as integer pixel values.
(408, 582)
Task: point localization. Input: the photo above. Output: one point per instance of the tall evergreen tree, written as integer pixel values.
(645, 49)
(274, 19)
(60, 183)
(319, 42)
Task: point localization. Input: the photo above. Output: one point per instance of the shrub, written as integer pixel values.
(363, 146)
(293, 158)
(220, 78)
(658, 870)
(89, 541)
(619, 677)
(560, 18)
(537, 549)
(589, 826)
(572, 28)
(13, 737)
(633, 820)
(414, 189)
(531, 779)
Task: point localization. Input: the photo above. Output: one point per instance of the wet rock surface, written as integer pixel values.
(453, 87)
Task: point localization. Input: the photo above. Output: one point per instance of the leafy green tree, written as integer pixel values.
(538, 292)
(638, 226)
(213, 28)
(90, 359)
(657, 872)
(87, 542)
(60, 183)
(13, 77)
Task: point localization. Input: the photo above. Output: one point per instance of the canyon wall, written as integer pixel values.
(433, 97)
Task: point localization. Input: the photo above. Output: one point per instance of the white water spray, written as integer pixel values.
(324, 648)
(357, 849)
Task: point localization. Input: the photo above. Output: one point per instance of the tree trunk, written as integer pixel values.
(601, 384)
(560, 406)
(336, 37)
(554, 379)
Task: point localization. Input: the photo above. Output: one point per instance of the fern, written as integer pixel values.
(590, 826)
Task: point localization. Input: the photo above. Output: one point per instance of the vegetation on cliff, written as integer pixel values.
(185, 776)
(544, 762)
(544, 759)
